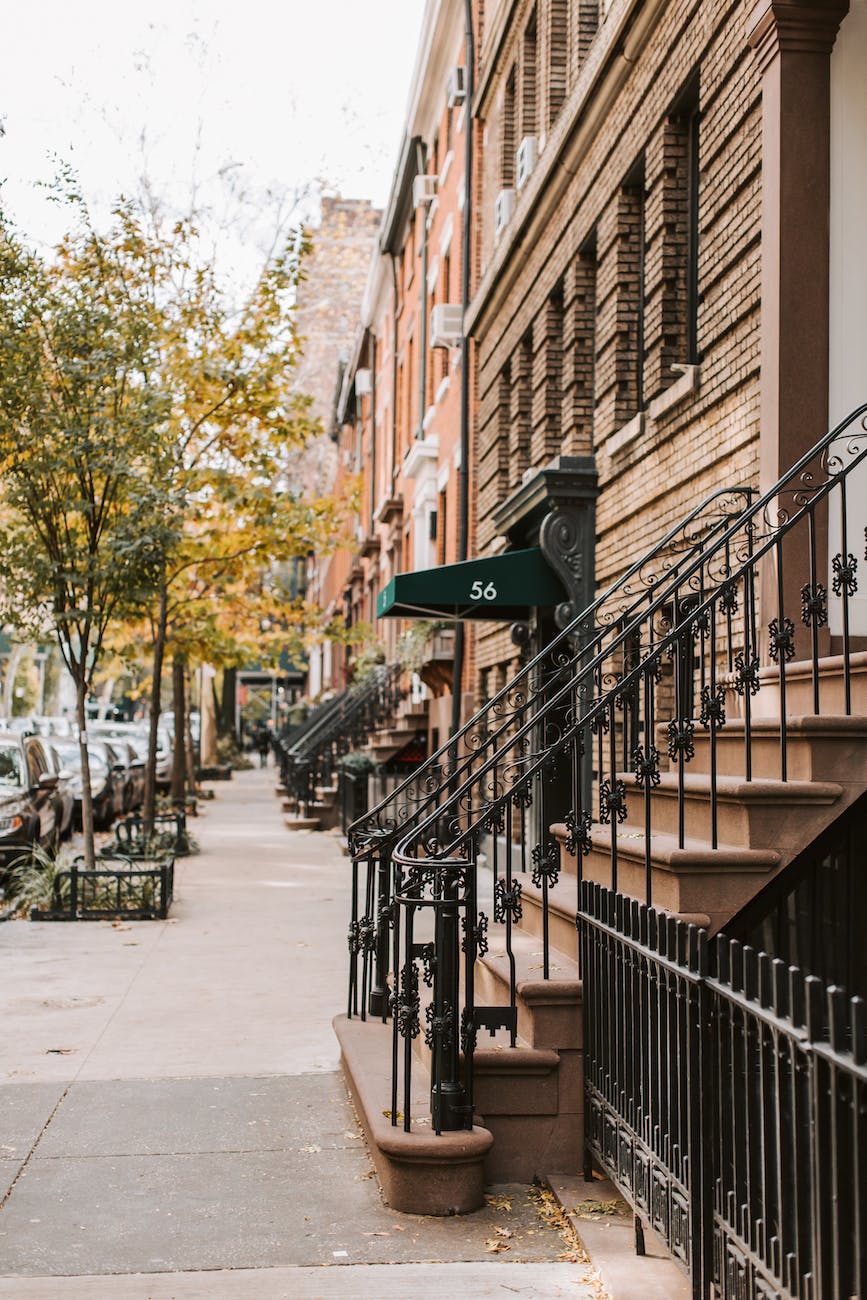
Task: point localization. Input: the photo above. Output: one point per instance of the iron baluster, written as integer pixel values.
(846, 582)
(782, 648)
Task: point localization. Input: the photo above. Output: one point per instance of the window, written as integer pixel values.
(507, 135)
(529, 79)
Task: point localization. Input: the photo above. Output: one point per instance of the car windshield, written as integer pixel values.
(10, 766)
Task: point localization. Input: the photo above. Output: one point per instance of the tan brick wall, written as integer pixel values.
(592, 247)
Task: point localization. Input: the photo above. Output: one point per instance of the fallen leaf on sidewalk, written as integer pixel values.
(376, 1234)
(311, 1150)
(499, 1202)
(356, 1137)
(61, 1051)
(119, 925)
(495, 1247)
(504, 1232)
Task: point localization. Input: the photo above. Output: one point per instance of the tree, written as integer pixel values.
(83, 464)
(224, 361)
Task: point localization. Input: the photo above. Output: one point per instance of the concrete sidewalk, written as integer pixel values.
(172, 1119)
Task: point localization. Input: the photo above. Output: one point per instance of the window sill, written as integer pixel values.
(690, 378)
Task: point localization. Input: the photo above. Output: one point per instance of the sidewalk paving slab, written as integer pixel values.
(476, 1281)
(171, 1096)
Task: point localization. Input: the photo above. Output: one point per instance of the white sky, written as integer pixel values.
(292, 92)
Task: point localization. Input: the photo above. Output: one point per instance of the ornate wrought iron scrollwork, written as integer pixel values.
(814, 604)
(523, 795)
(746, 675)
(438, 1027)
(546, 863)
(782, 640)
(713, 706)
(507, 901)
(366, 934)
(728, 598)
(428, 964)
(406, 1002)
(680, 739)
(578, 839)
(645, 765)
(612, 801)
(353, 938)
(477, 935)
(469, 1032)
(845, 575)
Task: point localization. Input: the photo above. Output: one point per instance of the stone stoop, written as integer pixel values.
(419, 1172)
(763, 824)
(302, 823)
(531, 1096)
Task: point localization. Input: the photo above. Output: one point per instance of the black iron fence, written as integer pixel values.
(122, 889)
(726, 1095)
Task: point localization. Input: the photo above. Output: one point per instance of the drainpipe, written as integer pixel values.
(393, 257)
(463, 473)
(422, 339)
(372, 429)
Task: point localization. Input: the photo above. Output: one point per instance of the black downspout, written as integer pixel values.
(463, 473)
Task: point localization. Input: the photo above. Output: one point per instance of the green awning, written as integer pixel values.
(503, 587)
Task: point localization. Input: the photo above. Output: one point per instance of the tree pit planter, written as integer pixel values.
(125, 890)
(168, 836)
(220, 772)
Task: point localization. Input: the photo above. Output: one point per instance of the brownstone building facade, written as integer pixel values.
(668, 300)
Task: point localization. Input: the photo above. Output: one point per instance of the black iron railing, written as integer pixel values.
(599, 731)
(345, 723)
(726, 1094)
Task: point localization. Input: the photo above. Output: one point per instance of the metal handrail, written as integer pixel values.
(377, 822)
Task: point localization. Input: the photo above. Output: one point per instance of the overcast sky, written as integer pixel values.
(282, 94)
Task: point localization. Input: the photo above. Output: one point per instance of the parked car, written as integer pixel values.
(65, 791)
(137, 734)
(136, 756)
(28, 797)
(106, 779)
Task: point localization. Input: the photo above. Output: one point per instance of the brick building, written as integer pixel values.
(327, 313)
(667, 315)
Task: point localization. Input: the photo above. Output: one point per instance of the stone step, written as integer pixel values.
(755, 814)
(818, 748)
(799, 688)
(302, 823)
(419, 1172)
(548, 1010)
(697, 883)
(562, 910)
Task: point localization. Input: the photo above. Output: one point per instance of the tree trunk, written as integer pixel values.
(188, 733)
(227, 704)
(86, 788)
(208, 716)
(179, 763)
(15, 656)
(150, 793)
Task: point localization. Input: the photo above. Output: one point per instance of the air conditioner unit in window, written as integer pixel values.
(503, 209)
(446, 325)
(363, 383)
(526, 159)
(424, 190)
(457, 90)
